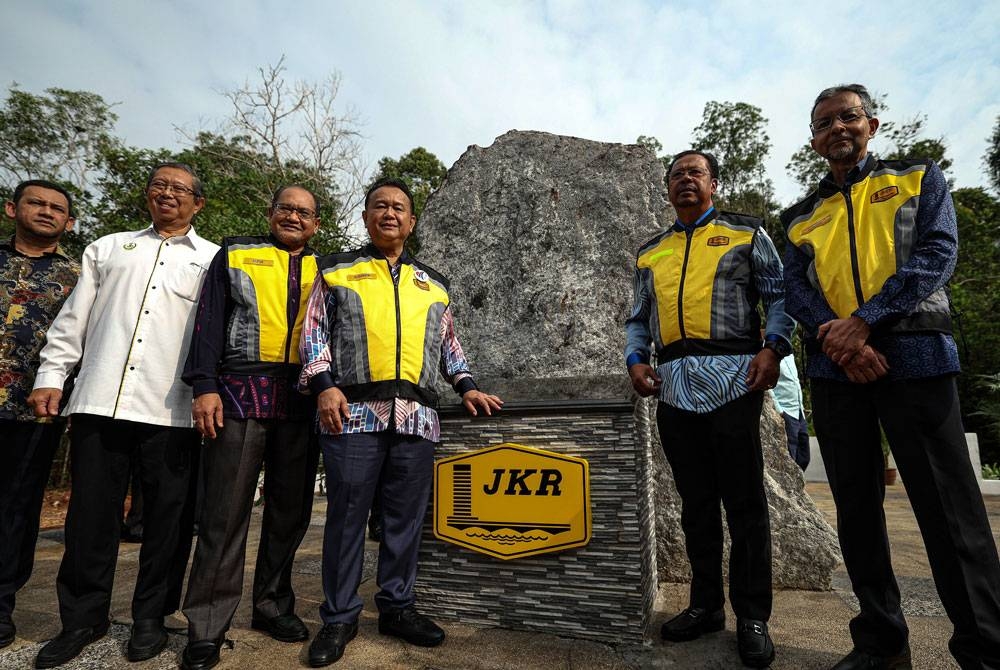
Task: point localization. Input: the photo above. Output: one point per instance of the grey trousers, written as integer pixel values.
(289, 453)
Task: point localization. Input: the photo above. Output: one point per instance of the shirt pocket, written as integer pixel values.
(186, 281)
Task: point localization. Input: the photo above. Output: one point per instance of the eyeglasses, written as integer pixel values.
(849, 115)
(288, 210)
(157, 186)
(694, 173)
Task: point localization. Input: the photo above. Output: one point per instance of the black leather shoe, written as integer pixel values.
(692, 623)
(862, 660)
(329, 644)
(148, 639)
(8, 631)
(410, 625)
(754, 644)
(68, 645)
(283, 628)
(200, 655)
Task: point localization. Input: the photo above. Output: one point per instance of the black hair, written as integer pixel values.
(44, 183)
(713, 163)
(389, 181)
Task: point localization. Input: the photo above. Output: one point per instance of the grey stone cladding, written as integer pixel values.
(603, 591)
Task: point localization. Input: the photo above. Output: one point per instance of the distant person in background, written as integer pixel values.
(36, 277)
(787, 395)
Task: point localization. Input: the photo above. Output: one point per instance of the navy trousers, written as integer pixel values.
(353, 465)
(922, 422)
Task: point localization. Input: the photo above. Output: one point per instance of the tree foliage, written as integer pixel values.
(656, 147)
(735, 132)
(976, 299)
(419, 169)
(992, 157)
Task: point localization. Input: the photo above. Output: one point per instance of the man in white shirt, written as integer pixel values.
(128, 323)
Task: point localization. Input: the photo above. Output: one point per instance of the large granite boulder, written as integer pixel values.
(538, 234)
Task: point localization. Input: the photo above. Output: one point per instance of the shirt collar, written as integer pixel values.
(191, 238)
(59, 251)
(709, 215)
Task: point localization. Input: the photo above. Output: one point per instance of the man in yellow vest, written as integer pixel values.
(870, 252)
(697, 286)
(243, 367)
(378, 333)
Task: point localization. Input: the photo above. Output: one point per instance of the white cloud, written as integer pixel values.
(447, 75)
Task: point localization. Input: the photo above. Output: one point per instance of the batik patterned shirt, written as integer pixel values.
(32, 290)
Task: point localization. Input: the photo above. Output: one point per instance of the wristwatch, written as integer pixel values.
(779, 347)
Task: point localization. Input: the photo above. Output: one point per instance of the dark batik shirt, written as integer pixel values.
(32, 290)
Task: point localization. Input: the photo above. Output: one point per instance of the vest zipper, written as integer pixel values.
(688, 234)
(852, 236)
(291, 314)
(399, 338)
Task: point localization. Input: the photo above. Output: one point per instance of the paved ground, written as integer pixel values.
(809, 628)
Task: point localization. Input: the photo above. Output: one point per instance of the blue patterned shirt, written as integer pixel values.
(705, 383)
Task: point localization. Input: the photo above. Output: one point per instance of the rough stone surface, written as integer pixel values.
(538, 234)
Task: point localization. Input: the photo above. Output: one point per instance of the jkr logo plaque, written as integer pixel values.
(511, 501)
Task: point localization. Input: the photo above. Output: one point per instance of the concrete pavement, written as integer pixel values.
(809, 628)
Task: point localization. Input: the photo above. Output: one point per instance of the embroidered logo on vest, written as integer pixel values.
(420, 279)
(718, 241)
(884, 194)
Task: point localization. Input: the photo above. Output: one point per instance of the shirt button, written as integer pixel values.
(131, 367)
(154, 287)
(161, 262)
(139, 340)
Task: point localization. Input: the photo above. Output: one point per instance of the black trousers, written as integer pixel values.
(231, 465)
(25, 462)
(100, 454)
(922, 422)
(716, 458)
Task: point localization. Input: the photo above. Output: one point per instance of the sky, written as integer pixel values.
(447, 75)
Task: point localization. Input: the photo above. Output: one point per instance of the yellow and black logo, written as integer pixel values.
(718, 241)
(512, 501)
(267, 262)
(884, 194)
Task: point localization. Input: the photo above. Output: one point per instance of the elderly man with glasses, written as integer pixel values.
(243, 366)
(127, 324)
(869, 254)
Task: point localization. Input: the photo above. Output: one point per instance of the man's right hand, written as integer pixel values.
(331, 405)
(207, 413)
(645, 381)
(866, 366)
(45, 401)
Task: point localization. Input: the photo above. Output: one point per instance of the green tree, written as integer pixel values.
(735, 133)
(656, 147)
(976, 302)
(992, 157)
(419, 169)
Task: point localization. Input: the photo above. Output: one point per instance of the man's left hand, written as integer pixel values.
(475, 398)
(843, 338)
(763, 372)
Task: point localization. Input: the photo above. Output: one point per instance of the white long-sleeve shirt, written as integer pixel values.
(128, 322)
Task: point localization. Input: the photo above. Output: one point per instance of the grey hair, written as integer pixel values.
(867, 104)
